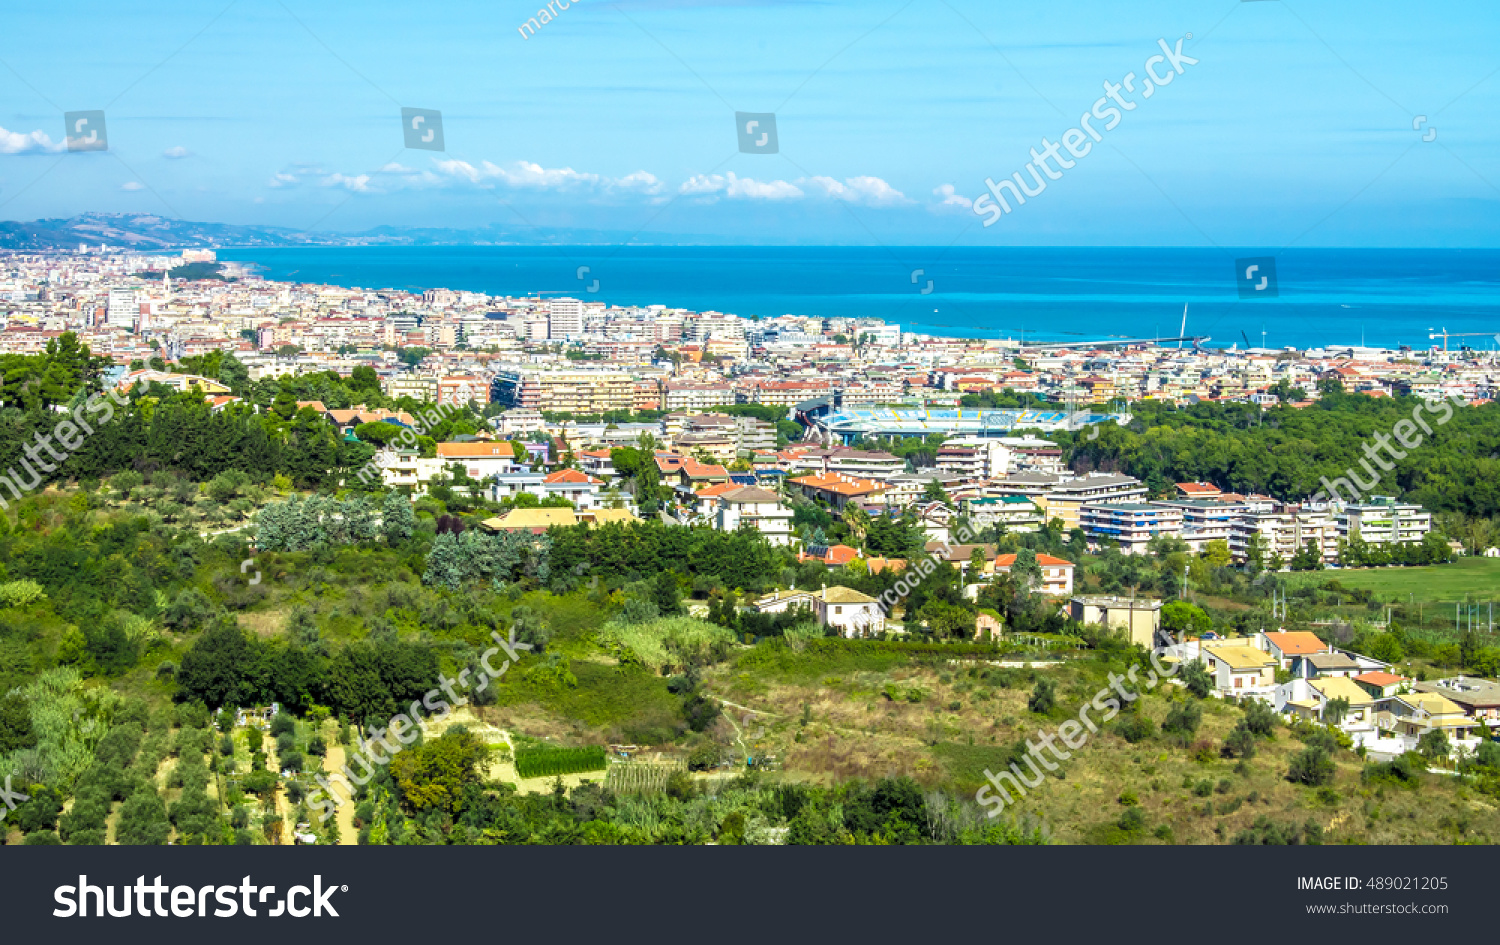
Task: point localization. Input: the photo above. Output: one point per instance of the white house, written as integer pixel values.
(479, 459)
(757, 507)
(853, 613)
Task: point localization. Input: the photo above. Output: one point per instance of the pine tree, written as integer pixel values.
(397, 519)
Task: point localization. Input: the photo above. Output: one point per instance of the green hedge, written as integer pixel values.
(547, 762)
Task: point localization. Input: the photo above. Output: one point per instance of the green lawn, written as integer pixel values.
(1478, 579)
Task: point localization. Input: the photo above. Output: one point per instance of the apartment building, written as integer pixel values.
(680, 395)
(783, 393)
(1131, 525)
(1012, 513)
(1065, 500)
(1383, 521)
(1284, 531)
(1205, 520)
(564, 319)
(579, 392)
(875, 464)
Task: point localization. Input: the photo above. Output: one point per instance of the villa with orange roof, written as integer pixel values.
(837, 489)
(579, 488)
(1288, 645)
(1057, 573)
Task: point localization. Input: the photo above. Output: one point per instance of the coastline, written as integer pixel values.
(1331, 298)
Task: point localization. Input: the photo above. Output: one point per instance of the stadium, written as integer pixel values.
(846, 426)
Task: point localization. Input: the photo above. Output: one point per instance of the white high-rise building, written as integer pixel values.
(123, 308)
(564, 319)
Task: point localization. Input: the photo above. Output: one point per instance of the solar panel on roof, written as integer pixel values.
(744, 479)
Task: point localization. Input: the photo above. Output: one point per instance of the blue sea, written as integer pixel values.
(1324, 297)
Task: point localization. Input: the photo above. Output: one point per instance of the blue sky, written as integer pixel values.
(1295, 127)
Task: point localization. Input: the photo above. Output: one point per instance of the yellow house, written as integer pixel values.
(1417, 713)
(1240, 670)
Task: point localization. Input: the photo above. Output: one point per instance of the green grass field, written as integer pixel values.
(1477, 579)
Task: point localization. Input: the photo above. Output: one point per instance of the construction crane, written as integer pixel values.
(1445, 334)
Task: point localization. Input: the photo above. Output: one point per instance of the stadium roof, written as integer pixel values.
(919, 421)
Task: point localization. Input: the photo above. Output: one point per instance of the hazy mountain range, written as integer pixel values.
(149, 232)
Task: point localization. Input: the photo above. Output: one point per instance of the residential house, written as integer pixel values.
(832, 555)
(1479, 698)
(478, 459)
(579, 488)
(1333, 664)
(960, 556)
(1137, 619)
(758, 508)
(506, 486)
(1310, 698)
(1057, 574)
(1410, 715)
(1379, 683)
(1239, 669)
(1286, 646)
(837, 490)
(536, 521)
(852, 613)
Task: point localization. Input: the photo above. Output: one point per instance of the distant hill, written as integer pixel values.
(149, 232)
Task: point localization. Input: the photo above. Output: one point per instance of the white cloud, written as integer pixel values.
(175, 152)
(874, 192)
(527, 175)
(870, 191)
(730, 185)
(14, 142)
(640, 185)
(359, 183)
(132, 185)
(951, 197)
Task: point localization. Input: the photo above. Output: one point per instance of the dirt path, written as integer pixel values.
(344, 813)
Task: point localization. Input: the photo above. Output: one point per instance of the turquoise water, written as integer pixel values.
(1383, 297)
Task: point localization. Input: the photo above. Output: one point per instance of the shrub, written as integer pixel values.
(1240, 743)
(1311, 766)
(1203, 788)
(1135, 727)
(1043, 697)
(1196, 678)
(1182, 721)
(1260, 718)
(1434, 744)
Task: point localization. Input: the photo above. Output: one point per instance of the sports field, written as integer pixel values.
(1474, 579)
